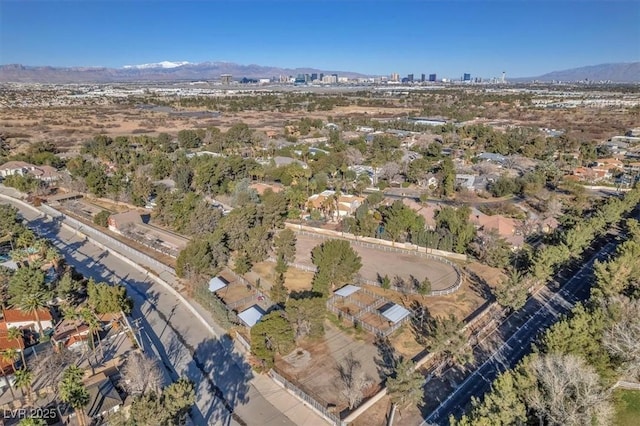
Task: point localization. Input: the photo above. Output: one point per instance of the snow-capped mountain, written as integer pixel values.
(163, 64)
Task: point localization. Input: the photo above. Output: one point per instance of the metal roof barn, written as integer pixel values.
(395, 313)
(347, 290)
(251, 316)
(216, 283)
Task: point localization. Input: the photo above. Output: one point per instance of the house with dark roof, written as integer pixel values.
(104, 398)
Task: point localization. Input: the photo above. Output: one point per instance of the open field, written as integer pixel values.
(294, 279)
(380, 262)
(317, 372)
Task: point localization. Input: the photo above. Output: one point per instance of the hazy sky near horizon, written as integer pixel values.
(484, 38)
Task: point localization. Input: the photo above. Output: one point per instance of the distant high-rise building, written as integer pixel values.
(394, 77)
(321, 76)
(504, 77)
(314, 76)
(226, 78)
(432, 77)
(466, 77)
(410, 78)
(422, 78)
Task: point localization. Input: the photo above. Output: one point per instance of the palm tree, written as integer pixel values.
(33, 303)
(9, 355)
(14, 333)
(24, 379)
(95, 326)
(13, 394)
(53, 255)
(25, 239)
(73, 392)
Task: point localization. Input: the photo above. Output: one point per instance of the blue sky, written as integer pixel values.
(484, 38)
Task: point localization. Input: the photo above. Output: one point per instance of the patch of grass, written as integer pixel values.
(627, 406)
(358, 331)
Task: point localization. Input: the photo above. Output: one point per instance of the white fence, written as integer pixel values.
(113, 243)
(317, 406)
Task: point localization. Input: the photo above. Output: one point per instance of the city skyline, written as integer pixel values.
(410, 37)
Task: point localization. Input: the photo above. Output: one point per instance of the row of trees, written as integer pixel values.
(399, 223)
(565, 246)
(568, 380)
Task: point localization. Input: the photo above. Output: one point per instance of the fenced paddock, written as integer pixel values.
(380, 260)
(362, 309)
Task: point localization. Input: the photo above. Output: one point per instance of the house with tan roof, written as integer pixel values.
(261, 187)
(505, 227)
(325, 201)
(427, 211)
(11, 168)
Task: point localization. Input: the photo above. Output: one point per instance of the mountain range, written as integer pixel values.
(627, 72)
(161, 71)
(186, 71)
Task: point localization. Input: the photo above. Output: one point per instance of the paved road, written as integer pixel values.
(225, 382)
(577, 288)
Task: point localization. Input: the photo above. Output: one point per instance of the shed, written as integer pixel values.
(395, 313)
(251, 316)
(216, 283)
(347, 290)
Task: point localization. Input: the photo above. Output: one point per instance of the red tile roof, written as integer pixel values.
(17, 315)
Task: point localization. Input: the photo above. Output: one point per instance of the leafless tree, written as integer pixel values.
(623, 339)
(568, 392)
(49, 366)
(390, 170)
(353, 156)
(354, 380)
(141, 374)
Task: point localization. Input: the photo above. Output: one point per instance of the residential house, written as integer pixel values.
(46, 174)
(591, 174)
(285, 161)
(632, 167)
(122, 221)
(472, 182)
(346, 204)
(427, 211)
(11, 168)
(466, 181)
(104, 398)
(8, 344)
(492, 158)
(505, 227)
(72, 335)
(261, 187)
(21, 319)
(609, 164)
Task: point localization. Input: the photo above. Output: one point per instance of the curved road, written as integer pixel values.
(225, 385)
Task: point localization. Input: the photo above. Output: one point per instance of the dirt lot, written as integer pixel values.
(294, 279)
(376, 262)
(317, 373)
